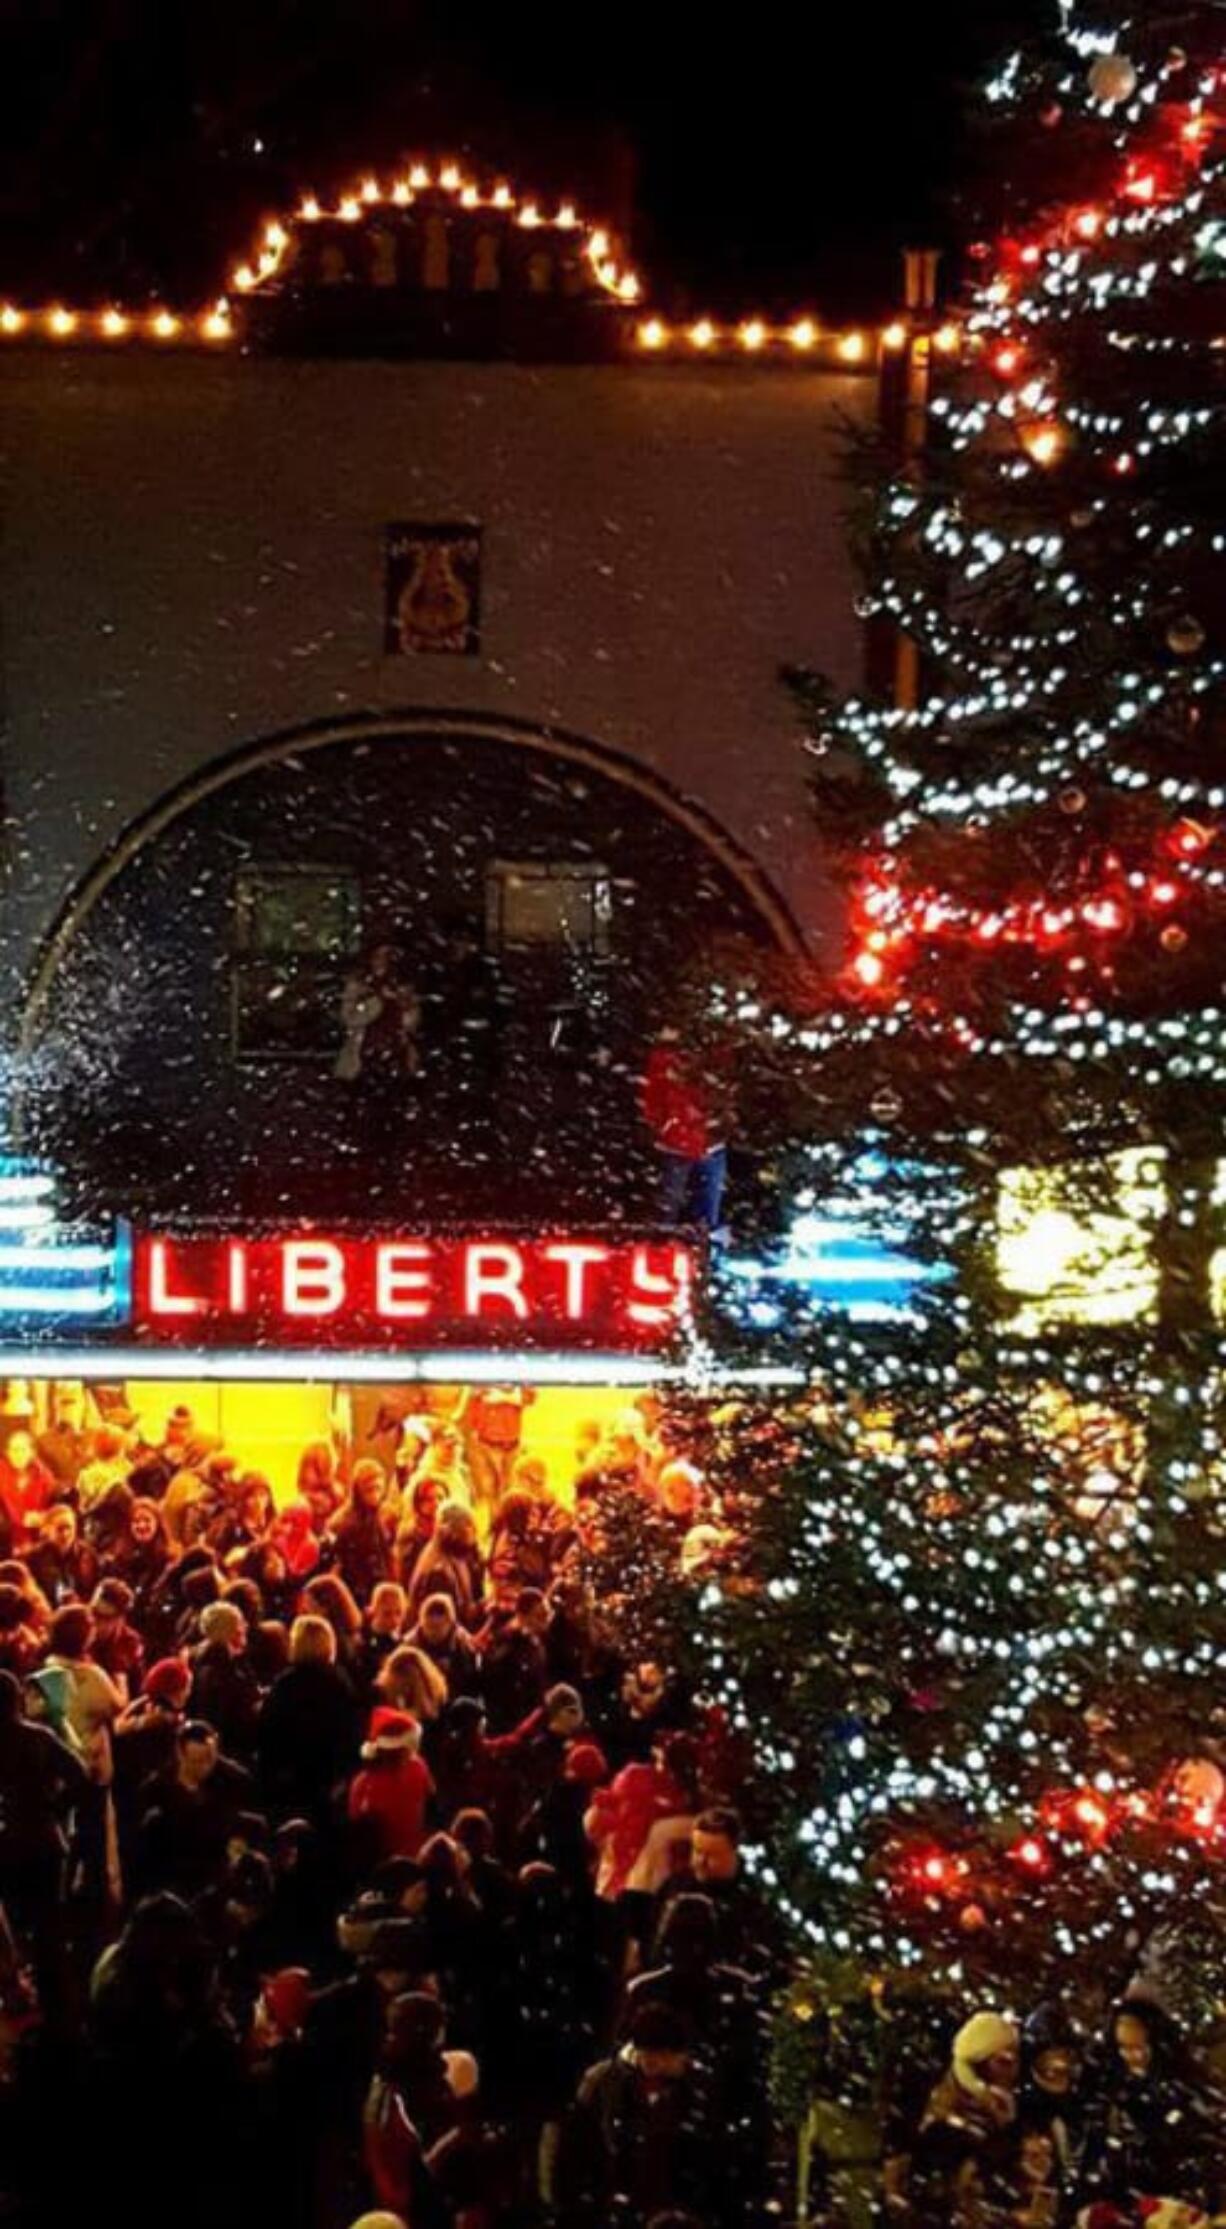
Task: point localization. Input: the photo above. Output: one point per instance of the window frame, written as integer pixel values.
(246, 954)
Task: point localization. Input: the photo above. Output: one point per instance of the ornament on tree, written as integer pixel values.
(1051, 115)
(1185, 635)
(1173, 938)
(1072, 801)
(1112, 78)
(1200, 1787)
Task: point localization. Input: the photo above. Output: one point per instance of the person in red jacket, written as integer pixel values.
(27, 1488)
(389, 1798)
(680, 1102)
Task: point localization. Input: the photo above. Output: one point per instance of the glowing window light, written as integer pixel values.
(164, 326)
(419, 177)
(803, 333)
(402, 193)
(629, 287)
(469, 198)
(371, 190)
(703, 333)
(752, 334)
(894, 336)
(114, 324)
(503, 198)
(215, 325)
(529, 216)
(309, 210)
(350, 209)
(11, 319)
(567, 217)
(653, 334)
(852, 348)
(62, 322)
(1075, 1245)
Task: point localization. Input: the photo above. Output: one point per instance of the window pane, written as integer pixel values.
(286, 1010)
(531, 903)
(290, 910)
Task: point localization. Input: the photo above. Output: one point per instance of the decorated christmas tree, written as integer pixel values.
(977, 1661)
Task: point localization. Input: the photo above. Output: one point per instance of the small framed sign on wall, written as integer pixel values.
(432, 589)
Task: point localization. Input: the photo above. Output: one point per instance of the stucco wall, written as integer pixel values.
(191, 557)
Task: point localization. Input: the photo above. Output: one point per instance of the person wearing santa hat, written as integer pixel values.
(979, 2091)
(390, 1797)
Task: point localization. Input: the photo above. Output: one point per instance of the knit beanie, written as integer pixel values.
(983, 2036)
(168, 1681)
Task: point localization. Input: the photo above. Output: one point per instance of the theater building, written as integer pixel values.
(429, 589)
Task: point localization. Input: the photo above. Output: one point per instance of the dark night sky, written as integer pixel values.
(780, 155)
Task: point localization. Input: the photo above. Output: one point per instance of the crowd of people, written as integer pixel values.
(352, 1868)
(346, 1860)
(1035, 2124)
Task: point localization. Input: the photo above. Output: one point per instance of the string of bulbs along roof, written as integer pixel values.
(804, 339)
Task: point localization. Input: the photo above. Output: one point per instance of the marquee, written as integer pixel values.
(338, 1290)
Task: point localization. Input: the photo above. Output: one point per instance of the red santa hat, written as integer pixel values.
(391, 1733)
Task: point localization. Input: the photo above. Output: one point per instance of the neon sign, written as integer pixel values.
(335, 1290)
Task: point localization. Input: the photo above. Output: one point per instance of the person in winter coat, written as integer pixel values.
(520, 1552)
(640, 2139)
(1153, 2127)
(27, 1488)
(386, 1612)
(513, 1677)
(680, 1099)
(43, 1781)
(327, 1596)
(622, 1816)
(142, 1558)
(225, 1691)
(451, 1564)
(413, 2101)
(978, 2093)
(21, 1643)
(553, 1828)
(307, 1738)
(61, 1563)
(145, 1738)
(190, 1816)
(747, 1926)
(439, 1635)
(534, 1754)
(293, 1533)
(466, 1768)
(118, 1647)
(1052, 2098)
(410, 1680)
(721, 2011)
(360, 1535)
(390, 1797)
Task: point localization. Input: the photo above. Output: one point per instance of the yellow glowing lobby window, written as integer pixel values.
(1075, 1245)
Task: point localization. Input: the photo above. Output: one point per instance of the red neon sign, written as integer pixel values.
(323, 1289)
